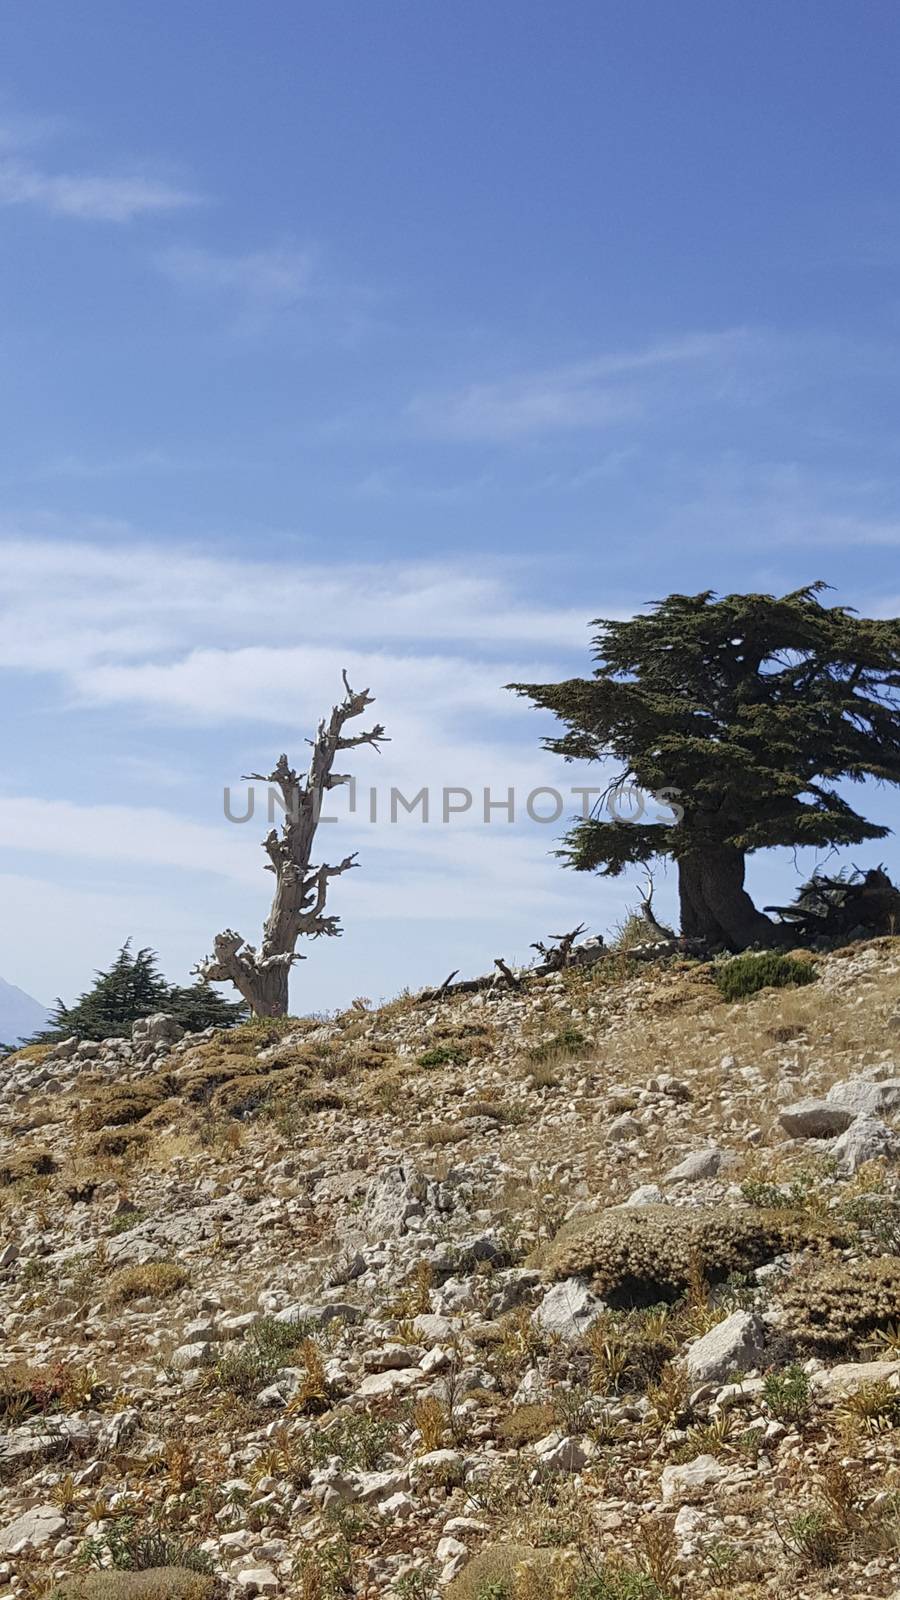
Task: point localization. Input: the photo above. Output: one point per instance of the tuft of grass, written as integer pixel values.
(127, 1547)
(429, 1416)
(745, 975)
(814, 1538)
(874, 1408)
(155, 1280)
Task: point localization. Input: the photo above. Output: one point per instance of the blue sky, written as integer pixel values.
(407, 337)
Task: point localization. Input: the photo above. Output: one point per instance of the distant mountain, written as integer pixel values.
(20, 1015)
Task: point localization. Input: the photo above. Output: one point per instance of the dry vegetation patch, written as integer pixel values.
(155, 1583)
(834, 1308)
(154, 1280)
(653, 1253)
(31, 1161)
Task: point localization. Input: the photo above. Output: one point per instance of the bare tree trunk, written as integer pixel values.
(714, 903)
(298, 904)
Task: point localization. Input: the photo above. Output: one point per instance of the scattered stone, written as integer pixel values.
(33, 1530)
(568, 1309)
(734, 1345)
(647, 1194)
(319, 1316)
(695, 1168)
(691, 1479)
(815, 1119)
(258, 1580)
(559, 1453)
(866, 1139)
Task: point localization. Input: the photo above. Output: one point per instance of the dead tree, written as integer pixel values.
(646, 912)
(557, 955)
(298, 905)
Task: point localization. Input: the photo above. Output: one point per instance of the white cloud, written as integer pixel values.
(591, 394)
(88, 196)
(186, 638)
(271, 279)
(89, 610)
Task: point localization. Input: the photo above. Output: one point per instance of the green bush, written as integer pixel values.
(619, 1583)
(787, 1394)
(745, 975)
(567, 1042)
(444, 1055)
(268, 1346)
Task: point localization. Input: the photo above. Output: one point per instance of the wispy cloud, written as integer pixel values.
(88, 196)
(162, 636)
(591, 394)
(282, 286)
(273, 280)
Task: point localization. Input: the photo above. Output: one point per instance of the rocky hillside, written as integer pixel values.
(589, 1288)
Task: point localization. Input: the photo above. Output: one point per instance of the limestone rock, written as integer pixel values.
(560, 1453)
(815, 1119)
(836, 1383)
(32, 1530)
(691, 1479)
(258, 1580)
(865, 1098)
(568, 1309)
(866, 1139)
(694, 1168)
(733, 1345)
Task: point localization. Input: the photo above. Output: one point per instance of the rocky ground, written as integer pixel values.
(587, 1289)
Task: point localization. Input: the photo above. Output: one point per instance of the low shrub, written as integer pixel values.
(526, 1424)
(268, 1346)
(495, 1573)
(444, 1055)
(649, 1255)
(835, 1308)
(29, 1162)
(787, 1394)
(745, 975)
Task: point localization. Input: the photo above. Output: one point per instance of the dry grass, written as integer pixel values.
(155, 1583)
(688, 1021)
(156, 1280)
(31, 1161)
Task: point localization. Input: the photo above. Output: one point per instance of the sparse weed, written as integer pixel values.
(127, 1547)
(788, 1394)
(813, 1538)
(267, 1346)
(875, 1408)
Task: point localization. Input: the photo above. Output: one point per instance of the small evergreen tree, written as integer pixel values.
(134, 987)
(752, 708)
(198, 1006)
